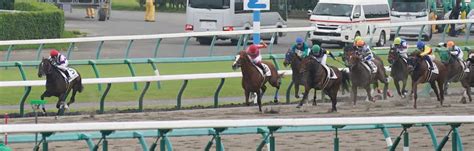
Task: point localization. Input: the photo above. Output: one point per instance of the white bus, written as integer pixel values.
(340, 21)
(228, 15)
(411, 11)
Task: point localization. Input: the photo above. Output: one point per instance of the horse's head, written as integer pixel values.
(393, 55)
(414, 59)
(352, 57)
(290, 57)
(239, 58)
(470, 57)
(45, 67)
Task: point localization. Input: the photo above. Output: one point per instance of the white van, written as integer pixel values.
(228, 15)
(411, 11)
(340, 21)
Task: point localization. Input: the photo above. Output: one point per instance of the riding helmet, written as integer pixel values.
(316, 49)
(397, 41)
(54, 52)
(420, 45)
(252, 50)
(357, 38)
(450, 44)
(360, 43)
(299, 40)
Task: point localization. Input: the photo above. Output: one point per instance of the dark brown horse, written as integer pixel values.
(57, 86)
(294, 60)
(421, 74)
(470, 75)
(316, 77)
(399, 71)
(456, 74)
(362, 77)
(253, 81)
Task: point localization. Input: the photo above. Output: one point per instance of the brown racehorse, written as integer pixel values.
(294, 60)
(253, 81)
(470, 75)
(399, 71)
(421, 73)
(362, 77)
(316, 77)
(456, 74)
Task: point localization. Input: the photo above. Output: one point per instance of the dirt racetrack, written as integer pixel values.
(349, 140)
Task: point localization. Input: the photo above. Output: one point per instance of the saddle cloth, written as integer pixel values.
(374, 67)
(267, 70)
(435, 68)
(330, 73)
(72, 74)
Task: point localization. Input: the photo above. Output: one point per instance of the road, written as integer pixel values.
(131, 23)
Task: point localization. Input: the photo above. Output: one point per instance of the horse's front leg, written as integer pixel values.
(314, 97)
(73, 97)
(259, 100)
(415, 93)
(404, 90)
(369, 93)
(297, 90)
(247, 95)
(397, 86)
(45, 94)
(354, 95)
(305, 96)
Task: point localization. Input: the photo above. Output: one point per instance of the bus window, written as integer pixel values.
(376, 11)
(210, 4)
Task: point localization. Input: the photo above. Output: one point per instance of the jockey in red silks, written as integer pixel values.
(60, 61)
(254, 53)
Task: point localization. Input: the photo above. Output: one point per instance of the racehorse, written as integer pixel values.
(421, 74)
(399, 71)
(253, 81)
(57, 86)
(362, 77)
(470, 76)
(456, 74)
(291, 58)
(317, 77)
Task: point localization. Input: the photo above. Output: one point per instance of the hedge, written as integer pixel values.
(38, 21)
(7, 4)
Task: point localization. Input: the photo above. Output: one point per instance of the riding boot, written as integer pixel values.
(431, 67)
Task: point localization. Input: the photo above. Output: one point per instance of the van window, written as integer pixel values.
(210, 4)
(409, 5)
(376, 11)
(357, 10)
(328, 9)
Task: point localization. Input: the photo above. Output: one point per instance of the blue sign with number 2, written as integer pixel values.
(253, 4)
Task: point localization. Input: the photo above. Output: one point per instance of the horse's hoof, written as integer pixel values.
(275, 101)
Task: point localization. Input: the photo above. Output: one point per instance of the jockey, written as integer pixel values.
(60, 61)
(254, 53)
(366, 54)
(426, 53)
(401, 46)
(301, 46)
(455, 50)
(354, 44)
(321, 54)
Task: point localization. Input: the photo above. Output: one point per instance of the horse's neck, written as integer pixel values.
(248, 68)
(361, 70)
(295, 63)
(53, 76)
(400, 63)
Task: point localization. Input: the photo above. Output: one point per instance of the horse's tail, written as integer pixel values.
(79, 85)
(345, 80)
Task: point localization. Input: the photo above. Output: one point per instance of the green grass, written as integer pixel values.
(125, 92)
(126, 5)
(59, 46)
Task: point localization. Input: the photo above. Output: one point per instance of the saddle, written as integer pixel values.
(330, 72)
(431, 72)
(372, 64)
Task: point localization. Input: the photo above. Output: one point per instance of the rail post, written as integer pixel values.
(96, 72)
(219, 144)
(27, 89)
(141, 140)
(127, 51)
(398, 31)
(164, 142)
(183, 53)
(239, 43)
(102, 98)
(386, 135)
(71, 47)
(272, 137)
(434, 140)
(155, 70)
(158, 42)
(216, 94)
(421, 32)
(132, 71)
(38, 51)
(288, 92)
(211, 47)
(180, 94)
(142, 95)
(468, 32)
(272, 41)
(99, 49)
(336, 139)
(9, 51)
(43, 141)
